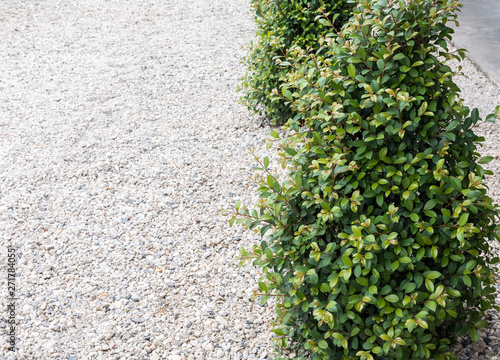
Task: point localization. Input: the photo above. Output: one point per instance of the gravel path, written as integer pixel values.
(121, 140)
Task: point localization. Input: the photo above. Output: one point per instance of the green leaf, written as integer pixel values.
(264, 229)
(269, 253)
(323, 344)
(357, 271)
(298, 179)
(463, 219)
(354, 60)
(324, 22)
(362, 281)
(381, 303)
(392, 298)
(474, 334)
(386, 290)
(433, 275)
(266, 161)
(305, 306)
(405, 260)
(337, 336)
(380, 64)
(266, 217)
(356, 230)
(270, 180)
(351, 70)
(429, 285)
(346, 260)
(385, 337)
(474, 115)
(455, 183)
(324, 287)
(279, 332)
(278, 278)
(395, 265)
(434, 252)
(430, 204)
(325, 205)
(446, 215)
(362, 53)
(331, 305)
(423, 324)
(485, 160)
(420, 254)
(431, 305)
(481, 324)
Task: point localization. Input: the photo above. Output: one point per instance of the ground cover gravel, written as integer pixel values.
(121, 140)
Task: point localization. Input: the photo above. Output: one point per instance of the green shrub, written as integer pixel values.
(380, 230)
(281, 24)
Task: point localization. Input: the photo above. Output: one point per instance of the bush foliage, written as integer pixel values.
(379, 243)
(282, 24)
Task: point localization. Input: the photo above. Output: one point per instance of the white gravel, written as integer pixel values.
(121, 139)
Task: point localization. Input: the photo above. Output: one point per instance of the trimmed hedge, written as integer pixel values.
(280, 25)
(379, 244)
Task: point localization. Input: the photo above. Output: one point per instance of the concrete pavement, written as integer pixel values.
(479, 32)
